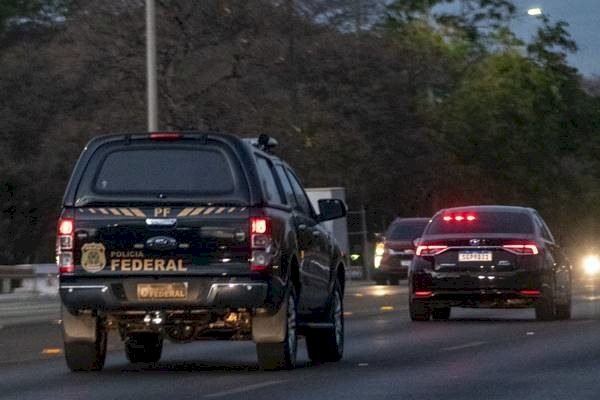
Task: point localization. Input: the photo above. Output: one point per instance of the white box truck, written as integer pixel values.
(339, 227)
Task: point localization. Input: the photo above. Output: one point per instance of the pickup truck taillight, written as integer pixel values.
(260, 243)
(64, 246)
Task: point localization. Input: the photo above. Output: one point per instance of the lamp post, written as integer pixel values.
(151, 66)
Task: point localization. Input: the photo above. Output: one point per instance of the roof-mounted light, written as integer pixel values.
(166, 136)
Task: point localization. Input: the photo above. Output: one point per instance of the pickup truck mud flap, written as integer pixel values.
(270, 328)
(79, 328)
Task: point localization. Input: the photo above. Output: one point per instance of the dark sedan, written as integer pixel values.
(394, 255)
(489, 257)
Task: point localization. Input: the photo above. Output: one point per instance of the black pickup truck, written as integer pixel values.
(193, 236)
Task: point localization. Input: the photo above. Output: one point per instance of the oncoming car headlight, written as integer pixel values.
(591, 264)
(379, 251)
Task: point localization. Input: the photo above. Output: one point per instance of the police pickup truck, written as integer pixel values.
(193, 236)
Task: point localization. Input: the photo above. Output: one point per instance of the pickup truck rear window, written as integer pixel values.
(143, 171)
(485, 222)
(164, 170)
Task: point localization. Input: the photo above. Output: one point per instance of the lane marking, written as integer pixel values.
(51, 351)
(247, 388)
(386, 308)
(585, 321)
(464, 346)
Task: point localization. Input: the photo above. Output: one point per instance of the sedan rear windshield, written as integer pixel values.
(405, 230)
(484, 222)
(176, 171)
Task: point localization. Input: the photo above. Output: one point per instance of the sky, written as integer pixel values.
(583, 17)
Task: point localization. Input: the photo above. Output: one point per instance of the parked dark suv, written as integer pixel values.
(191, 236)
(489, 256)
(394, 255)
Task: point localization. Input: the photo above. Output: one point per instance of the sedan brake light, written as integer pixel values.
(166, 136)
(459, 217)
(532, 292)
(430, 250)
(423, 293)
(528, 249)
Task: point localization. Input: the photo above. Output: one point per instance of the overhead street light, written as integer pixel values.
(534, 11)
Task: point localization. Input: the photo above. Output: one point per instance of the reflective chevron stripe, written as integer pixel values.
(122, 211)
(197, 211)
(184, 213)
(137, 212)
(125, 211)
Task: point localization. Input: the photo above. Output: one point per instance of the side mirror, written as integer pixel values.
(331, 209)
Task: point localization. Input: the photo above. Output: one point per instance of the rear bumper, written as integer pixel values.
(486, 289)
(394, 266)
(202, 293)
(400, 272)
(479, 299)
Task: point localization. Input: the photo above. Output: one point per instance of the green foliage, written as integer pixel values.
(20, 12)
(423, 110)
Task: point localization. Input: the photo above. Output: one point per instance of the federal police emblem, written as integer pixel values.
(93, 258)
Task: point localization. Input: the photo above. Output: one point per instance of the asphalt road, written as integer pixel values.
(478, 354)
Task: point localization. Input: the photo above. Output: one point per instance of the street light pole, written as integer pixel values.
(151, 66)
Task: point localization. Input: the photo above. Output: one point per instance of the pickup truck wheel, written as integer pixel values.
(145, 347)
(87, 356)
(327, 344)
(274, 356)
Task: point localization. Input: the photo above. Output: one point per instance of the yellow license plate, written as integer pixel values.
(162, 291)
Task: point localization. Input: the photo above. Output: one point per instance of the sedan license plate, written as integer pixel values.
(405, 263)
(474, 256)
(162, 291)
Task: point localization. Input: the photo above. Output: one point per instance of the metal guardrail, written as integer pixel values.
(35, 278)
(16, 271)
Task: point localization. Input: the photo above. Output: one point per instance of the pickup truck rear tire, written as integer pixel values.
(87, 356)
(274, 356)
(327, 344)
(143, 347)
